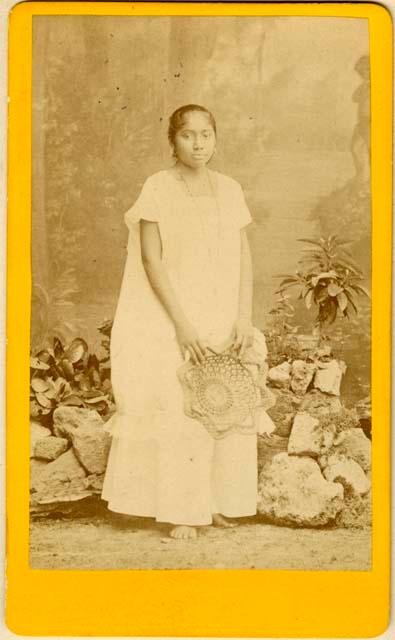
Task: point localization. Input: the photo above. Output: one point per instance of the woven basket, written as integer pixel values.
(222, 394)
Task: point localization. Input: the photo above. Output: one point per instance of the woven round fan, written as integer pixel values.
(220, 393)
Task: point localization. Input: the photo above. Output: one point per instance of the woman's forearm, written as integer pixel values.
(246, 280)
(162, 287)
(151, 255)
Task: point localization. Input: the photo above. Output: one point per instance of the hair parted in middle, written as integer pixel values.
(176, 119)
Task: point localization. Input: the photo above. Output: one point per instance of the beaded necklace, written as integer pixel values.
(213, 259)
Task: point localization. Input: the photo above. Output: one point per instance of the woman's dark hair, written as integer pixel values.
(176, 119)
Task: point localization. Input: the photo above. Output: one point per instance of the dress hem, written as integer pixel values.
(160, 520)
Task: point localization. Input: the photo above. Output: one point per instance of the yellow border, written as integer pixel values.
(192, 603)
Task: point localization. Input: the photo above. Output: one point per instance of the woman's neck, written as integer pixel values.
(191, 172)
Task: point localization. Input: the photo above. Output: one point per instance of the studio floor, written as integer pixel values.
(111, 542)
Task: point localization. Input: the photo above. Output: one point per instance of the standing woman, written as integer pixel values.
(187, 286)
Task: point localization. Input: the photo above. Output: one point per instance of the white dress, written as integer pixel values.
(162, 463)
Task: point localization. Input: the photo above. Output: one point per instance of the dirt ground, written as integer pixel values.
(107, 541)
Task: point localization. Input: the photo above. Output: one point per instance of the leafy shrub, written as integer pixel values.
(329, 278)
(68, 376)
(280, 332)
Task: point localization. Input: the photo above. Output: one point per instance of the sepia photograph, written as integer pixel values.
(200, 346)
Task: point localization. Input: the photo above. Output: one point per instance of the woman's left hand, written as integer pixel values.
(242, 336)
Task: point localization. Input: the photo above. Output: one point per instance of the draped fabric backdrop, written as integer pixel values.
(291, 100)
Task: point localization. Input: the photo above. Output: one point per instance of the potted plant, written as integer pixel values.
(327, 278)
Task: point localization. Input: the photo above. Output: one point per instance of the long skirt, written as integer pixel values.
(183, 477)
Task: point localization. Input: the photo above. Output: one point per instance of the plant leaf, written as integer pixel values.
(76, 350)
(360, 289)
(321, 295)
(286, 287)
(96, 399)
(67, 368)
(342, 300)
(309, 298)
(51, 394)
(44, 356)
(44, 401)
(62, 387)
(350, 300)
(289, 279)
(35, 363)
(84, 384)
(321, 276)
(36, 410)
(315, 242)
(39, 385)
(94, 377)
(57, 347)
(93, 361)
(73, 400)
(334, 289)
(92, 393)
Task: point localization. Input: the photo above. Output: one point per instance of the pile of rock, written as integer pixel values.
(67, 464)
(316, 468)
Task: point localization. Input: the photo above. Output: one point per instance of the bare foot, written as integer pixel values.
(220, 521)
(183, 532)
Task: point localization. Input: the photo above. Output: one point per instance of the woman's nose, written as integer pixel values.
(198, 144)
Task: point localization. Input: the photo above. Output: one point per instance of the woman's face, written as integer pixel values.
(194, 142)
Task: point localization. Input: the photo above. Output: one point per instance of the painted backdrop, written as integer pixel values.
(291, 99)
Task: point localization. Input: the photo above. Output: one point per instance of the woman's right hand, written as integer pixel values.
(189, 340)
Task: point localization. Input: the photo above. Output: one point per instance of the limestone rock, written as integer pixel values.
(60, 480)
(283, 412)
(317, 403)
(50, 448)
(269, 447)
(329, 375)
(37, 431)
(36, 468)
(356, 446)
(279, 376)
(94, 482)
(68, 419)
(84, 427)
(353, 445)
(92, 446)
(364, 409)
(308, 437)
(85, 506)
(356, 512)
(364, 412)
(348, 473)
(301, 376)
(292, 491)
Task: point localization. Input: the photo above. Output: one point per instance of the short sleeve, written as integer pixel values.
(145, 207)
(242, 211)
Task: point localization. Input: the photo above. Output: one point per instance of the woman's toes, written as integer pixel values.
(183, 532)
(220, 521)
